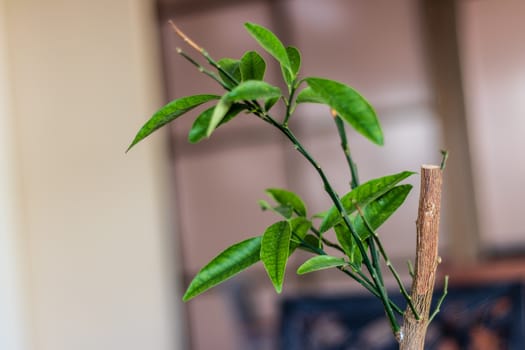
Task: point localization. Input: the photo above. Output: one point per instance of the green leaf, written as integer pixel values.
(253, 90)
(288, 199)
(300, 227)
(295, 59)
(275, 247)
(219, 112)
(225, 265)
(201, 123)
(269, 103)
(270, 43)
(344, 237)
(247, 90)
(320, 215)
(378, 211)
(233, 68)
(361, 196)
(310, 96)
(350, 105)
(170, 112)
(252, 66)
(320, 262)
(312, 241)
(264, 205)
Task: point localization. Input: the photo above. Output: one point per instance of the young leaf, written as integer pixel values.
(300, 227)
(219, 112)
(361, 196)
(200, 125)
(378, 211)
(270, 43)
(350, 105)
(170, 112)
(295, 59)
(252, 66)
(233, 68)
(228, 263)
(269, 103)
(311, 241)
(288, 199)
(275, 247)
(285, 212)
(320, 262)
(252, 90)
(344, 237)
(264, 205)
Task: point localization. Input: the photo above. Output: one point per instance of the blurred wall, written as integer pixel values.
(87, 241)
(493, 68)
(12, 327)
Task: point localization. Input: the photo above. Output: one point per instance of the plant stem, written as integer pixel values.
(337, 202)
(371, 243)
(381, 287)
(358, 276)
(202, 69)
(346, 150)
(389, 263)
(372, 290)
(326, 241)
(289, 104)
(410, 268)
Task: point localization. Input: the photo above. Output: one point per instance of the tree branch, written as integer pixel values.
(413, 330)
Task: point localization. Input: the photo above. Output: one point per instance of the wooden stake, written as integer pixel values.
(427, 259)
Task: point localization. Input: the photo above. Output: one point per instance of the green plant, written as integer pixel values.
(354, 216)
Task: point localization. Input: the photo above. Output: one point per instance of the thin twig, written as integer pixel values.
(202, 69)
(327, 241)
(346, 149)
(440, 301)
(184, 37)
(410, 268)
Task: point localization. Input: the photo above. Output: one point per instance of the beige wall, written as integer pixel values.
(93, 232)
(12, 328)
(493, 56)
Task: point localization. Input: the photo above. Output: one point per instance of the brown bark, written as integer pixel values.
(414, 330)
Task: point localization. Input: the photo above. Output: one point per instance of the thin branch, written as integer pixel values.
(346, 149)
(440, 301)
(184, 37)
(410, 268)
(202, 69)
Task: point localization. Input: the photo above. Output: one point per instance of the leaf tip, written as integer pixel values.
(187, 296)
(135, 141)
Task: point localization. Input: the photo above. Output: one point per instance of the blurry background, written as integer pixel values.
(96, 246)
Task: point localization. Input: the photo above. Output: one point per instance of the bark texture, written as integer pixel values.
(427, 260)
